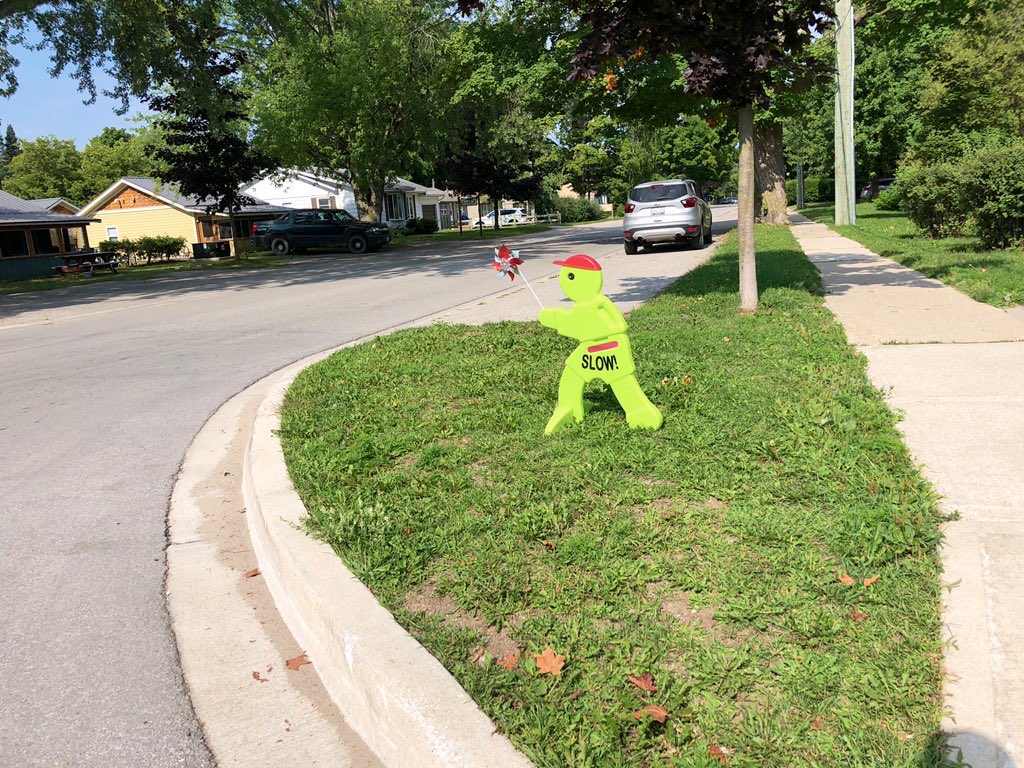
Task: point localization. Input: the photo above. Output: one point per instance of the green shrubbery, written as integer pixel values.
(420, 227)
(995, 194)
(933, 197)
(148, 248)
(985, 189)
(890, 199)
(817, 189)
(575, 209)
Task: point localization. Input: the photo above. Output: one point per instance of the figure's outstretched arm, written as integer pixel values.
(552, 317)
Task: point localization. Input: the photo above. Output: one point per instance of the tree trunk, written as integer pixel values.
(745, 223)
(497, 210)
(769, 173)
(369, 199)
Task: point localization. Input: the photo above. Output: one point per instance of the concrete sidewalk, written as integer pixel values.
(955, 369)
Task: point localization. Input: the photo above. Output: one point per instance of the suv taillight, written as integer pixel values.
(629, 207)
(690, 202)
(254, 228)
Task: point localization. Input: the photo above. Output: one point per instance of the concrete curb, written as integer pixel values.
(399, 699)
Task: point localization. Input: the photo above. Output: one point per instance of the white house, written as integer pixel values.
(403, 199)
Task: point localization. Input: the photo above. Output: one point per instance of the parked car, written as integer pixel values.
(883, 184)
(305, 228)
(670, 211)
(729, 201)
(508, 216)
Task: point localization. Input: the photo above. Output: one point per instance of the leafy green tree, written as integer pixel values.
(205, 152)
(973, 92)
(46, 167)
(353, 91)
(116, 152)
(589, 153)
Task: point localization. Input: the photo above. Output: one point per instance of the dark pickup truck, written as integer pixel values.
(298, 230)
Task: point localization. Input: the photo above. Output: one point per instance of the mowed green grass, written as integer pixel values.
(993, 277)
(257, 260)
(707, 554)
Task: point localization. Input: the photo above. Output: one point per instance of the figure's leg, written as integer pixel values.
(570, 401)
(640, 412)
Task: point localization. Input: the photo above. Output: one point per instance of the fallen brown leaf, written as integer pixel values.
(253, 572)
(297, 662)
(687, 380)
(548, 544)
(256, 677)
(721, 754)
(654, 711)
(816, 724)
(477, 655)
(509, 662)
(846, 580)
(644, 682)
(872, 580)
(858, 615)
(575, 695)
(549, 663)
(669, 749)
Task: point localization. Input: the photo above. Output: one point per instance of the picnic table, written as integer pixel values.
(86, 262)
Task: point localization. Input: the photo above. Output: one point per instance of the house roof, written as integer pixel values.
(399, 184)
(49, 203)
(14, 210)
(171, 195)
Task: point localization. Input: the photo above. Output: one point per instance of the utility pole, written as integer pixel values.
(846, 183)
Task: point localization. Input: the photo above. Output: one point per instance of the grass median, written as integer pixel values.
(993, 277)
(768, 558)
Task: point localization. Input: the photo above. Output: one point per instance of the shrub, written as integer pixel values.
(817, 189)
(994, 184)
(420, 227)
(933, 197)
(159, 246)
(575, 209)
(890, 199)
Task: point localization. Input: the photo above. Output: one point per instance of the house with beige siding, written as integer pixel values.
(134, 207)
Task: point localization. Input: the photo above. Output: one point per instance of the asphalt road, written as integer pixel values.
(103, 388)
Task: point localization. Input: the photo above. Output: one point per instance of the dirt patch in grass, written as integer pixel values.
(427, 600)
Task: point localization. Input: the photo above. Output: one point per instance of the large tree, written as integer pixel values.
(354, 90)
(734, 55)
(46, 167)
(114, 153)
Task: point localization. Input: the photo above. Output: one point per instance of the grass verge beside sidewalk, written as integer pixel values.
(768, 557)
(993, 277)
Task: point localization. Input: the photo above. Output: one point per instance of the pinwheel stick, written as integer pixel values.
(530, 287)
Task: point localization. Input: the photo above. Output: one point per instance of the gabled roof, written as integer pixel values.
(14, 210)
(49, 203)
(165, 193)
(326, 182)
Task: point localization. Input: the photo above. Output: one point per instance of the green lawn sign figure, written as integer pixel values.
(604, 351)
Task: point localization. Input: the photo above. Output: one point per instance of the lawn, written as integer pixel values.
(994, 277)
(768, 557)
(259, 260)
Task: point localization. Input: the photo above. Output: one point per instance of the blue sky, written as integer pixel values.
(43, 105)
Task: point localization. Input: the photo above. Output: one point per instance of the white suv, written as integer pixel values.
(671, 211)
(508, 216)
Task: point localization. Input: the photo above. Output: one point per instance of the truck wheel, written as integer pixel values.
(629, 246)
(357, 244)
(279, 246)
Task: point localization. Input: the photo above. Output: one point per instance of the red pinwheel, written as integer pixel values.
(507, 262)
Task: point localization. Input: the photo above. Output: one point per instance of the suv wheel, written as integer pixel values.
(279, 246)
(708, 237)
(357, 244)
(629, 246)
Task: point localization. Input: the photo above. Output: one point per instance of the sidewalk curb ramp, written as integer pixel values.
(397, 697)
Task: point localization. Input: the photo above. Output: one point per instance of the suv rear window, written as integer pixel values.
(658, 192)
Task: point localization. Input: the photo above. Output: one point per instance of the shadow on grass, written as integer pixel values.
(785, 268)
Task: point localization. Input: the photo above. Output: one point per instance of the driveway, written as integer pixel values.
(104, 387)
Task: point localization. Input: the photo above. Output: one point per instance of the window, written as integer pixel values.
(394, 206)
(224, 230)
(305, 217)
(208, 229)
(658, 192)
(112, 235)
(343, 216)
(13, 243)
(323, 202)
